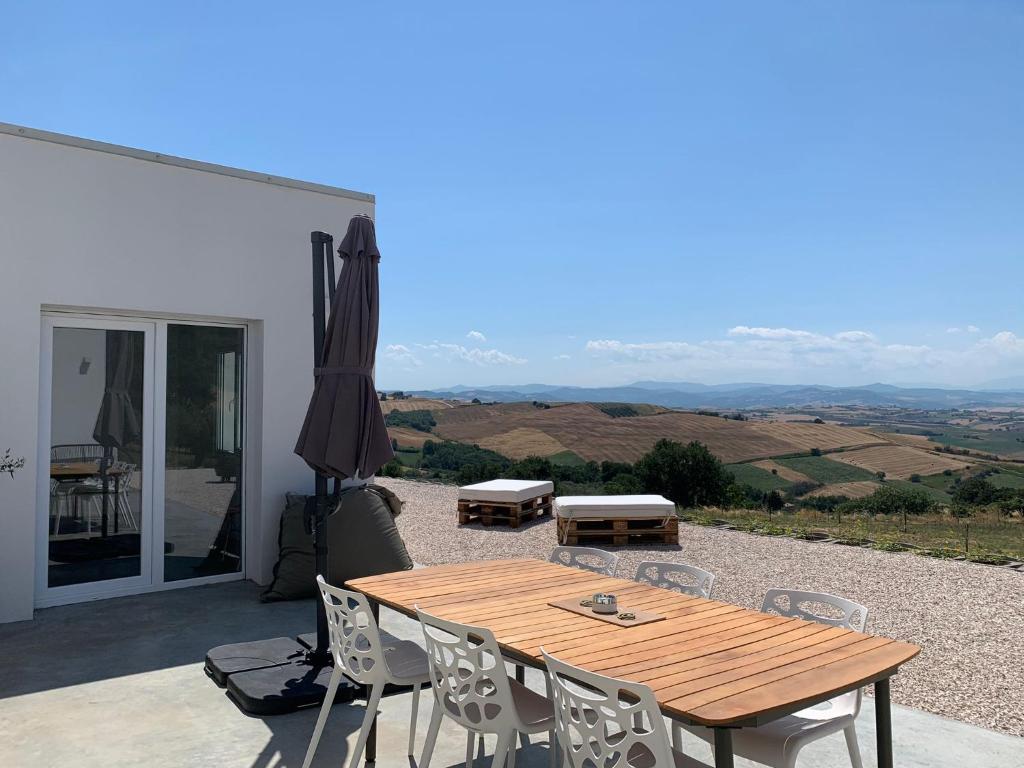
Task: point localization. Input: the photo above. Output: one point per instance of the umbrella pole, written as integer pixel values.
(322, 244)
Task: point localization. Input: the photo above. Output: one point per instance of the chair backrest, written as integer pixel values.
(467, 674)
(816, 606)
(677, 577)
(355, 639)
(79, 452)
(586, 558)
(606, 723)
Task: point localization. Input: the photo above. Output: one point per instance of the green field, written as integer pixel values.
(826, 471)
(1007, 479)
(761, 479)
(979, 440)
(409, 457)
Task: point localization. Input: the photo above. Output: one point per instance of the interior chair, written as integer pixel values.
(361, 655)
(609, 723)
(472, 688)
(677, 577)
(778, 743)
(586, 558)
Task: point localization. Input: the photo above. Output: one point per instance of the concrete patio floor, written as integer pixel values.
(121, 683)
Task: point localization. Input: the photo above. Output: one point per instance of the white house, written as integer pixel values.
(179, 294)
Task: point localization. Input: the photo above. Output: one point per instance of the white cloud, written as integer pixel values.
(402, 355)
(769, 333)
(1004, 343)
(561, 357)
(476, 356)
(973, 329)
(476, 336)
(953, 330)
(968, 329)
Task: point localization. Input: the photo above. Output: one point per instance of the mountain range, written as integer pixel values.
(743, 395)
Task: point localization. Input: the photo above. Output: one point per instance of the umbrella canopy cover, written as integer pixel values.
(344, 433)
(117, 423)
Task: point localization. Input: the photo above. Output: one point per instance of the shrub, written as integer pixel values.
(915, 478)
(773, 501)
(815, 451)
(392, 469)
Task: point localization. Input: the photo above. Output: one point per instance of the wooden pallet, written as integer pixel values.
(619, 531)
(511, 514)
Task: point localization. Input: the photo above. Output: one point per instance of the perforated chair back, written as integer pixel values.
(676, 577)
(468, 675)
(586, 558)
(606, 723)
(354, 635)
(816, 606)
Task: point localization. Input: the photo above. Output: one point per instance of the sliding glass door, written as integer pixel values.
(203, 451)
(142, 460)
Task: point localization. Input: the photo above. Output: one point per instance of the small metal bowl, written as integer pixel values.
(604, 604)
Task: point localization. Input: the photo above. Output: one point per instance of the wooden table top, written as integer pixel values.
(59, 469)
(708, 662)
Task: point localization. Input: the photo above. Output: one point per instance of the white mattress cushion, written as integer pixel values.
(506, 491)
(597, 507)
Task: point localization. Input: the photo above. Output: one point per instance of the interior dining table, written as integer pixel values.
(72, 471)
(709, 663)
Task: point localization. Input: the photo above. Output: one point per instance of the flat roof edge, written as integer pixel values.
(181, 162)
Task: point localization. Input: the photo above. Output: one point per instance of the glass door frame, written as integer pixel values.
(93, 590)
(154, 413)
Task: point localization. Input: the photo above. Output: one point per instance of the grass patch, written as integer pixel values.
(761, 479)
(826, 471)
(567, 459)
(935, 492)
(409, 457)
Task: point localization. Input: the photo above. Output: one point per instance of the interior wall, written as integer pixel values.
(81, 228)
(77, 393)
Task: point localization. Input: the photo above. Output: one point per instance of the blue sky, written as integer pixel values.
(596, 192)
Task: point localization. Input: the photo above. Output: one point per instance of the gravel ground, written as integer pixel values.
(968, 619)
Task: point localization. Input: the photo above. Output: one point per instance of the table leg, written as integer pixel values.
(520, 674)
(883, 723)
(371, 737)
(723, 748)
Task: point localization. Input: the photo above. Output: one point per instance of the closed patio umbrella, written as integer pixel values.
(117, 423)
(344, 433)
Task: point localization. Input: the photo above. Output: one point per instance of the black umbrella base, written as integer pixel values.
(273, 677)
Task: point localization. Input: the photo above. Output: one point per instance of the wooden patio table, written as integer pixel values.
(709, 663)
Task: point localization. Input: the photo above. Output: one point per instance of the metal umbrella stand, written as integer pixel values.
(283, 674)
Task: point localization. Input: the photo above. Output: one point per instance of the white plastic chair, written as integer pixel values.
(778, 743)
(586, 558)
(607, 723)
(677, 577)
(361, 655)
(472, 688)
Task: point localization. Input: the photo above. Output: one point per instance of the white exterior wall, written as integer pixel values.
(88, 228)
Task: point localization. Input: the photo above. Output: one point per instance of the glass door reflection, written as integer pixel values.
(204, 428)
(96, 436)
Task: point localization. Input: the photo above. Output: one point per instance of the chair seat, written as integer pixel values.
(406, 661)
(643, 758)
(770, 743)
(536, 712)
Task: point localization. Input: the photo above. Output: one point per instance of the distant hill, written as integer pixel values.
(741, 396)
